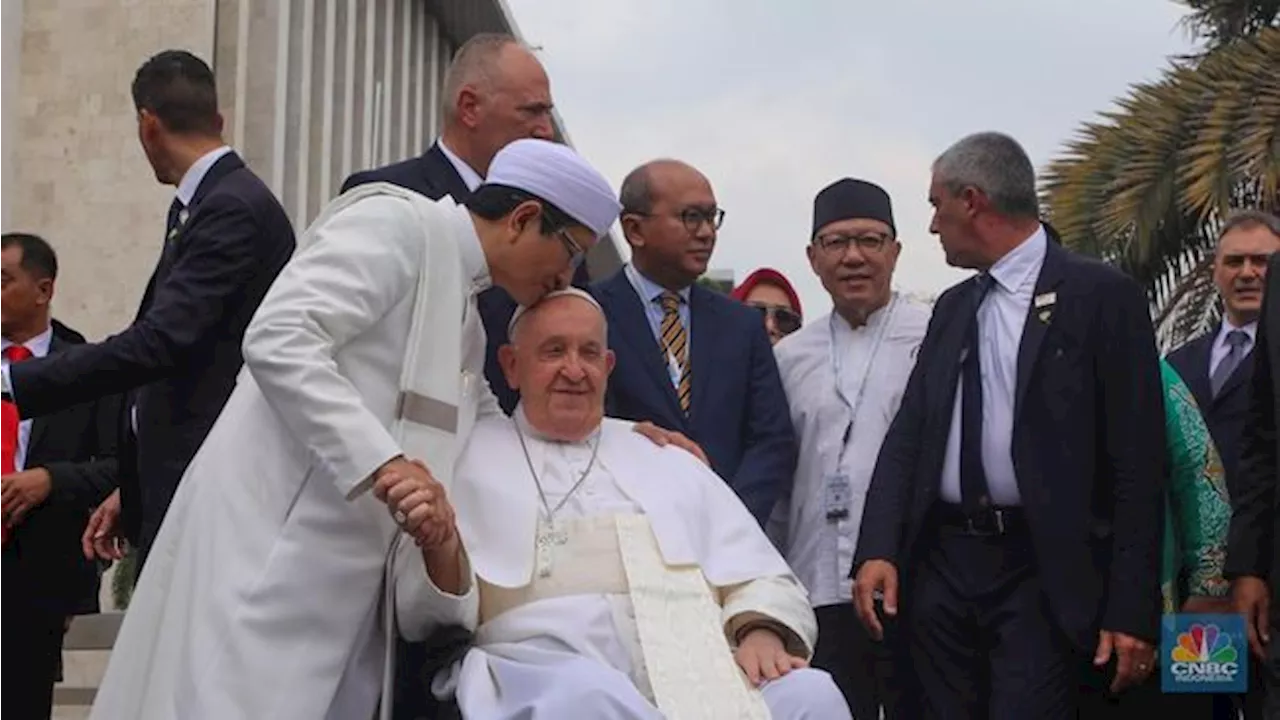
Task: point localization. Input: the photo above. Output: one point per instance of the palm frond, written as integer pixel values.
(1147, 186)
(1224, 21)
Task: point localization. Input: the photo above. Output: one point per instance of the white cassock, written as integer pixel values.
(844, 386)
(627, 613)
(261, 597)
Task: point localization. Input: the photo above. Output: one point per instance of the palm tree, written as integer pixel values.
(1148, 186)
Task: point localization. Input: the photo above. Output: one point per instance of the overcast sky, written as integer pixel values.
(773, 100)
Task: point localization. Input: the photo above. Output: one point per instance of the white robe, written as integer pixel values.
(580, 655)
(261, 597)
(821, 550)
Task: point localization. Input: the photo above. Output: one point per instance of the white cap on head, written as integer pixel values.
(557, 174)
(569, 291)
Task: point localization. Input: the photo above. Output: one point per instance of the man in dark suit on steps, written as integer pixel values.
(225, 240)
(1015, 514)
(495, 92)
(57, 468)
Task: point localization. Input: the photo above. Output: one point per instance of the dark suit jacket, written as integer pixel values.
(1088, 447)
(181, 355)
(1251, 539)
(433, 176)
(1226, 414)
(738, 409)
(44, 567)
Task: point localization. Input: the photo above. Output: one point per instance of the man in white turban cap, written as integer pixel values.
(606, 577)
(262, 596)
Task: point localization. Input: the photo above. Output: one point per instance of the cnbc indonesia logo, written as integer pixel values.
(1204, 654)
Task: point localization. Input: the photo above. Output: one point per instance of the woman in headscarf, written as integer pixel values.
(771, 293)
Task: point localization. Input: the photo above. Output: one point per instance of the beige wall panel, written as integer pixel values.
(74, 172)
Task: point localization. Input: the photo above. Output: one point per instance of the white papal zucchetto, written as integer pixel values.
(557, 174)
(571, 291)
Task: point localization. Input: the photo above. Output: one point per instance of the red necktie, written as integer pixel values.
(9, 424)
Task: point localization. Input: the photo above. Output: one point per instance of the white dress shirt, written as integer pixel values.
(650, 294)
(1221, 348)
(1001, 318)
(868, 367)
(194, 175)
(39, 347)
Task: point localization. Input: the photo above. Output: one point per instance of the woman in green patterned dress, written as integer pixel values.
(1195, 543)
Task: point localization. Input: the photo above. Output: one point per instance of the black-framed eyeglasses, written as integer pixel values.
(784, 318)
(576, 252)
(693, 217)
(869, 243)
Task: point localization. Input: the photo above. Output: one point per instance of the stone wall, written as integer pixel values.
(74, 171)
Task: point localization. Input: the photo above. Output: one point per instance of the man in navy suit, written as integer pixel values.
(226, 238)
(1015, 514)
(1218, 366)
(495, 92)
(688, 358)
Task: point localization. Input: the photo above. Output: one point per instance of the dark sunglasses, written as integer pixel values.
(784, 318)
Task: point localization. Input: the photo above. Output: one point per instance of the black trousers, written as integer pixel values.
(980, 634)
(32, 647)
(865, 670)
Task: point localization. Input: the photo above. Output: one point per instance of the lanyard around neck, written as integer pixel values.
(854, 404)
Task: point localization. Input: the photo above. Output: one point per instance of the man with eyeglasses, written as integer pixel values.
(690, 359)
(844, 375)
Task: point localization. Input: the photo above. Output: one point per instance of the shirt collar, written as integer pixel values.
(1022, 263)
(469, 176)
(38, 345)
(1250, 329)
(472, 253)
(532, 433)
(649, 290)
(195, 174)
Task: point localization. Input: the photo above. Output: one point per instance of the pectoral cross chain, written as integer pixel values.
(548, 537)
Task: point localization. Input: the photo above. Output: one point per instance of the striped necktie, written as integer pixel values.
(675, 343)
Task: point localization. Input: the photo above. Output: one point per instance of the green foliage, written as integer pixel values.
(122, 580)
(1149, 185)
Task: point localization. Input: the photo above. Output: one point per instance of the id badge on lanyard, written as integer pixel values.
(837, 488)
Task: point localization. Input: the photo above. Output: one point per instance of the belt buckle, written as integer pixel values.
(971, 528)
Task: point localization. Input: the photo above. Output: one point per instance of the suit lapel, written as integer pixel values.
(1236, 380)
(702, 344)
(633, 327)
(436, 167)
(1033, 333)
(40, 425)
(1200, 353)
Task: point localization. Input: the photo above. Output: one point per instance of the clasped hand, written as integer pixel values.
(416, 501)
(763, 657)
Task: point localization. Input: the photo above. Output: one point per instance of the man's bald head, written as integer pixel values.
(495, 92)
(641, 184)
(559, 362)
(670, 219)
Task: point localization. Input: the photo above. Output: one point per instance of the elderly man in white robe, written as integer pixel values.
(845, 374)
(263, 594)
(616, 579)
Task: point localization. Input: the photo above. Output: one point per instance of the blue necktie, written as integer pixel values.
(974, 495)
